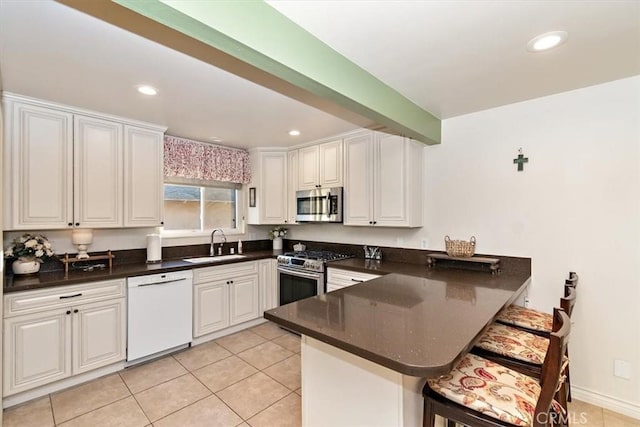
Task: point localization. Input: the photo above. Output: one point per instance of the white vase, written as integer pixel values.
(25, 267)
(277, 243)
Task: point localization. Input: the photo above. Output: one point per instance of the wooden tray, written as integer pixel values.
(493, 263)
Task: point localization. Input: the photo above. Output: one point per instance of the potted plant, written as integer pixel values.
(276, 235)
(28, 251)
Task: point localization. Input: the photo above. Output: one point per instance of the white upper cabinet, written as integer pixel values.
(383, 182)
(143, 177)
(320, 166)
(38, 167)
(269, 178)
(65, 167)
(97, 163)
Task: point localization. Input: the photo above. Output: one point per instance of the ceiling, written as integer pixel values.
(449, 57)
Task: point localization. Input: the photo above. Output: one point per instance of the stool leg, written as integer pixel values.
(429, 416)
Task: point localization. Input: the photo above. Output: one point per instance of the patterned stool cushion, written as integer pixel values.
(490, 389)
(514, 343)
(526, 318)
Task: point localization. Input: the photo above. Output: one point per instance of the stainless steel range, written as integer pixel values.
(301, 274)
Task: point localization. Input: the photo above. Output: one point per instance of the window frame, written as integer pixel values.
(186, 233)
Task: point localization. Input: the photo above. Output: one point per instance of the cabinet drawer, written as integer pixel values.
(339, 277)
(220, 272)
(52, 298)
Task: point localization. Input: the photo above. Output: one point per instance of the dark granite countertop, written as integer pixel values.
(418, 325)
(57, 278)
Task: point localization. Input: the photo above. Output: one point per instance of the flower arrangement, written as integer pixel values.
(277, 232)
(29, 248)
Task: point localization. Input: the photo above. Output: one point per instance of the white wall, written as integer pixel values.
(576, 206)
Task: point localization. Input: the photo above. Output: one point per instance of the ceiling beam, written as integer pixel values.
(253, 40)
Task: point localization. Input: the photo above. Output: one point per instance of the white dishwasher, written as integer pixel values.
(159, 313)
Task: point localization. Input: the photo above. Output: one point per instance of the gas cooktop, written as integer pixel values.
(309, 260)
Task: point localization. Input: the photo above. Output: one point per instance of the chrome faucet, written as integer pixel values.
(212, 252)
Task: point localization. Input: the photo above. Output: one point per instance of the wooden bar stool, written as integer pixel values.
(534, 321)
(524, 351)
(479, 392)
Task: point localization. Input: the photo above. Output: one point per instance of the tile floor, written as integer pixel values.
(251, 378)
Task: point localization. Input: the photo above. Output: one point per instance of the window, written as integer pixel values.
(197, 208)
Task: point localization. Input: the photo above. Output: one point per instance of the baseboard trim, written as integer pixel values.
(228, 331)
(616, 405)
(25, 396)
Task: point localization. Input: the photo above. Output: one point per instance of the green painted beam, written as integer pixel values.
(255, 41)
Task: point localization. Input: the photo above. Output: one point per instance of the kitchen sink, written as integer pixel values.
(208, 259)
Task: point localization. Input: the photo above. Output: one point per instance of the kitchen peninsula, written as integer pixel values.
(367, 349)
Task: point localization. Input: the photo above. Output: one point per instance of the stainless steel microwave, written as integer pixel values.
(319, 205)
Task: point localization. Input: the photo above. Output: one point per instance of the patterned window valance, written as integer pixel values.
(200, 161)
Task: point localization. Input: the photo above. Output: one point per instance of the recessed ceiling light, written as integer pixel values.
(147, 90)
(294, 132)
(547, 41)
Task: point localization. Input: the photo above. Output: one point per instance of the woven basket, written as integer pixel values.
(460, 248)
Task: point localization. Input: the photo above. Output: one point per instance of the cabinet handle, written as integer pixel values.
(75, 311)
(70, 224)
(228, 282)
(77, 224)
(70, 296)
(375, 222)
(232, 282)
(161, 222)
(357, 280)
(68, 311)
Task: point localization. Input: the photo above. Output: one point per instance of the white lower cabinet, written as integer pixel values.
(268, 284)
(84, 331)
(36, 350)
(98, 335)
(244, 298)
(210, 307)
(225, 295)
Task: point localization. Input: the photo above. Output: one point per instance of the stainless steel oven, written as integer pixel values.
(301, 274)
(296, 284)
(319, 205)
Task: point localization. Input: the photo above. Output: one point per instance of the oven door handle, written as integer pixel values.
(299, 273)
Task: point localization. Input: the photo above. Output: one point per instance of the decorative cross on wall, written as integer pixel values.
(521, 160)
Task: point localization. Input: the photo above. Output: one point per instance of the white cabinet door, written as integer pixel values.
(320, 166)
(330, 164)
(292, 186)
(358, 191)
(210, 307)
(97, 160)
(271, 183)
(37, 349)
(41, 168)
(99, 334)
(143, 177)
(383, 181)
(308, 168)
(244, 295)
(390, 203)
(399, 182)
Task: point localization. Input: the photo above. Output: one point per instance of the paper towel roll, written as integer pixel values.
(154, 248)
